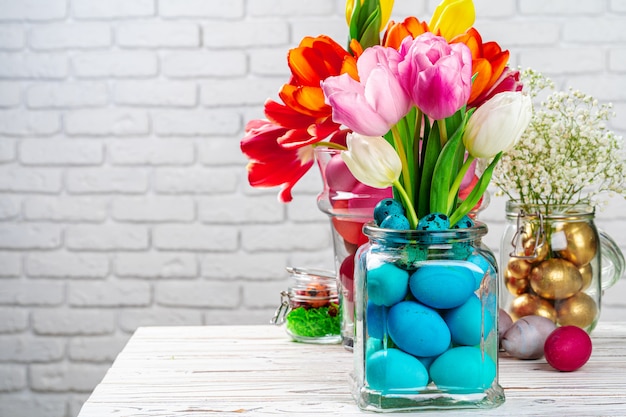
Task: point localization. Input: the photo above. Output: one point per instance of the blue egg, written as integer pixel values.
(465, 223)
(434, 221)
(483, 267)
(392, 369)
(396, 222)
(465, 322)
(442, 285)
(409, 255)
(387, 207)
(372, 346)
(386, 284)
(375, 318)
(417, 329)
(463, 370)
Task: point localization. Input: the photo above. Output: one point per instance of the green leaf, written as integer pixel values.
(445, 171)
(474, 196)
(431, 149)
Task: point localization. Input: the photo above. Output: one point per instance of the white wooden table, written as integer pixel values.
(257, 371)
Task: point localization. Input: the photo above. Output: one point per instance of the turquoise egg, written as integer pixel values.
(465, 322)
(417, 329)
(386, 284)
(372, 346)
(375, 319)
(442, 285)
(387, 207)
(463, 370)
(391, 369)
(482, 267)
(396, 222)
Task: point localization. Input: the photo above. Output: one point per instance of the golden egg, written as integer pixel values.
(586, 272)
(517, 268)
(531, 304)
(578, 310)
(537, 252)
(555, 279)
(516, 286)
(582, 242)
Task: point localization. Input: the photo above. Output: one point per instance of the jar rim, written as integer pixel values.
(478, 230)
(552, 211)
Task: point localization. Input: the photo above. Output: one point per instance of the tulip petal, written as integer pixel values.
(453, 17)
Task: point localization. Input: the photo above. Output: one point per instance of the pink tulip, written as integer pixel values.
(376, 102)
(437, 75)
(508, 81)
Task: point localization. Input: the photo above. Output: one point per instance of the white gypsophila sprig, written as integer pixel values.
(567, 154)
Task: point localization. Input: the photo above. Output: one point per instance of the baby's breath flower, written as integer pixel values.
(567, 154)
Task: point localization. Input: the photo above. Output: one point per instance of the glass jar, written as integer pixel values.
(309, 308)
(426, 321)
(349, 204)
(556, 264)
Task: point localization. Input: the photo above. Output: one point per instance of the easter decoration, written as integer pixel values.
(412, 109)
(555, 261)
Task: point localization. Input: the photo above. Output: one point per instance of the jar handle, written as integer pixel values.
(612, 261)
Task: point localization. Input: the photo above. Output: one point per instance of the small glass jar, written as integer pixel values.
(309, 308)
(556, 264)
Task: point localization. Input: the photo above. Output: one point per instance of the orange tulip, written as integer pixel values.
(488, 62)
(396, 32)
(314, 60)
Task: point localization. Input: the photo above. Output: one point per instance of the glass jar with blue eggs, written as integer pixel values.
(426, 319)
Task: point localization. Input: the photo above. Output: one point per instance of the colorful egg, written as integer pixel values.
(464, 370)
(386, 284)
(375, 320)
(579, 310)
(568, 348)
(417, 329)
(391, 369)
(387, 207)
(529, 304)
(465, 322)
(555, 279)
(483, 267)
(338, 176)
(526, 337)
(442, 285)
(396, 222)
(434, 221)
(581, 242)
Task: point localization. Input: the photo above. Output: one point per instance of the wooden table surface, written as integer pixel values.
(258, 371)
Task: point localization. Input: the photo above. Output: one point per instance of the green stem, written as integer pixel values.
(443, 131)
(406, 176)
(456, 185)
(408, 205)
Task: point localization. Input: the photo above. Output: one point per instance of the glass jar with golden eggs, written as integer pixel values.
(555, 263)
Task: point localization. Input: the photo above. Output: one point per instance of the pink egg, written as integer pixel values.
(338, 176)
(366, 197)
(568, 348)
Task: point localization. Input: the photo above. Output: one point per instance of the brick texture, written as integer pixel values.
(124, 199)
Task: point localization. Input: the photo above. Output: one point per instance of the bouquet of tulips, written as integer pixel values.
(413, 105)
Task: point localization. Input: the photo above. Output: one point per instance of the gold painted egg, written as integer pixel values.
(582, 242)
(555, 279)
(586, 271)
(578, 310)
(517, 268)
(531, 304)
(516, 286)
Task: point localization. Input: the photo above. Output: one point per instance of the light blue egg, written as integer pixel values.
(387, 207)
(392, 369)
(463, 370)
(483, 267)
(417, 329)
(372, 346)
(386, 284)
(375, 319)
(465, 322)
(442, 285)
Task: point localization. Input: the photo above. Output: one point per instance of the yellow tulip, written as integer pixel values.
(452, 18)
(385, 7)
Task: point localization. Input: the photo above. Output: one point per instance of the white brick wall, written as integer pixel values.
(123, 193)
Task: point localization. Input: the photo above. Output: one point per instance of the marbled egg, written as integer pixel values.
(396, 222)
(434, 221)
(465, 223)
(393, 369)
(386, 284)
(465, 322)
(463, 369)
(526, 337)
(441, 285)
(387, 207)
(417, 329)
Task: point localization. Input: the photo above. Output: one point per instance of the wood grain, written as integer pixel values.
(258, 371)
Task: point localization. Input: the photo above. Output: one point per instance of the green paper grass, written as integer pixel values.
(314, 322)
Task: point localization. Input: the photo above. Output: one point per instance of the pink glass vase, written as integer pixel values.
(349, 205)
